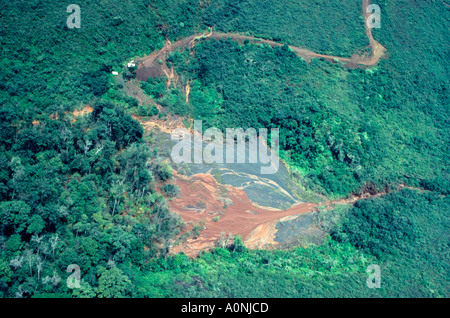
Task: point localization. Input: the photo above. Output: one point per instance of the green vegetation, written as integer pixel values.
(408, 232)
(328, 27)
(79, 192)
(170, 190)
(341, 129)
(147, 110)
(44, 65)
(82, 190)
(414, 266)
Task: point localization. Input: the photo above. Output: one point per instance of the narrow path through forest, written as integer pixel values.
(149, 66)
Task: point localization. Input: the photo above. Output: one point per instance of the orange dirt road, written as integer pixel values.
(149, 66)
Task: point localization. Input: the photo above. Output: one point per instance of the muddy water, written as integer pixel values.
(265, 190)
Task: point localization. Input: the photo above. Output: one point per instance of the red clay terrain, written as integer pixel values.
(224, 211)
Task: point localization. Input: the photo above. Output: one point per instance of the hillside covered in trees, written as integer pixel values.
(91, 190)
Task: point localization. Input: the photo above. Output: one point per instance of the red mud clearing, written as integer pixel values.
(203, 199)
(202, 202)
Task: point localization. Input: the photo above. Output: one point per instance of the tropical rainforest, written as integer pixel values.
(92, 190)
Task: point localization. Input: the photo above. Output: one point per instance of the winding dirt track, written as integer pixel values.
(149, 66)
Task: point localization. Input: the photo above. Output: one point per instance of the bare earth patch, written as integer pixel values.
(225, 211)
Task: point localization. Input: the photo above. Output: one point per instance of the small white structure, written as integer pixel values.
(115, 73)
(131, 64)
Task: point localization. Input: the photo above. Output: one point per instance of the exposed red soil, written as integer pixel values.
(167, 125)
(240, 217)
(202, 201)
(86, 110)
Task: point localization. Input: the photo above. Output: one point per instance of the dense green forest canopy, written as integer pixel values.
(83, 190)
(320, 26)
(57, 67)
(325, 26)
(411, 247)
(54, 66)
(80, 193)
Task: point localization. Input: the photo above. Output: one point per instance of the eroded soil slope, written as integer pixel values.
(223, 211)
